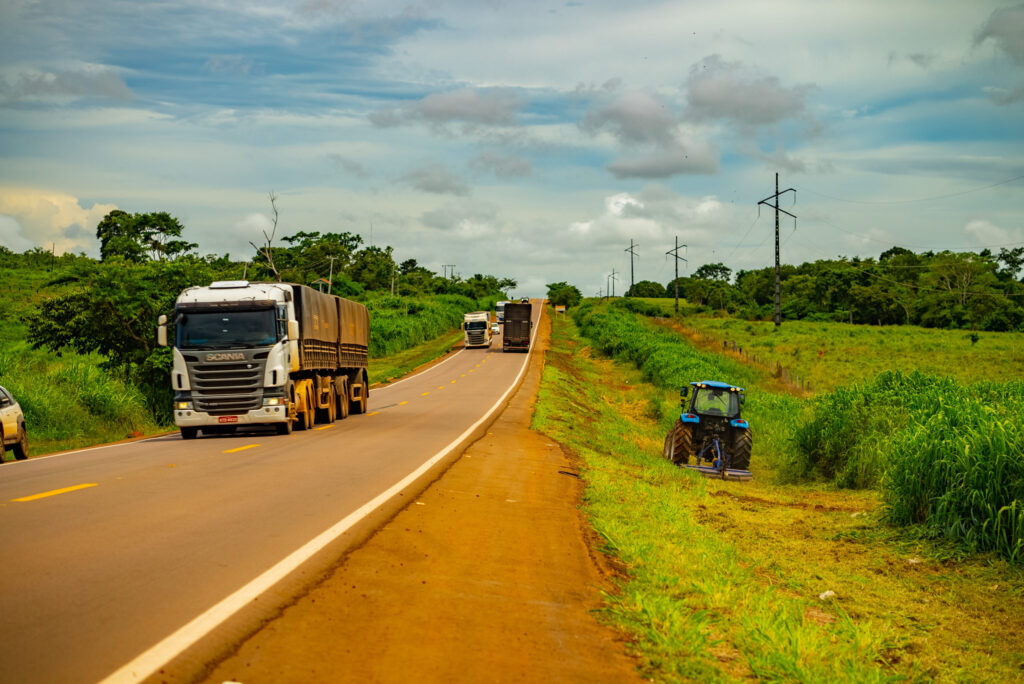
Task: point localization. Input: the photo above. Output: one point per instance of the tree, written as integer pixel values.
(141, 237)
(564, 294)
(266, 250)
(646, 288)
(716, 271)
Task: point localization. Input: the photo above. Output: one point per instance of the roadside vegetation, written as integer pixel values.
(78, 346)
(776, 579)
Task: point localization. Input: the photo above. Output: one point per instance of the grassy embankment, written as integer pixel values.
(71, 401)
(723, 580)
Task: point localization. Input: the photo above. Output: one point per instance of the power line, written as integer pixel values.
(921, 199)
(778, 279)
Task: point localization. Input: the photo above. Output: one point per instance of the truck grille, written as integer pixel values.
(227, 388)
(477, 338)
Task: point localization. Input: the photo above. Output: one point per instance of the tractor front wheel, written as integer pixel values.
(742, 444)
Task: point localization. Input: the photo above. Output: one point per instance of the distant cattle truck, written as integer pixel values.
(516, 335)
(265, 353)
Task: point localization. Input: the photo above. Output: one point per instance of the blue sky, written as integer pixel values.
(525, 139)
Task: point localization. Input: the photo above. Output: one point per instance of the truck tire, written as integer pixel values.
(284, 428)
(679, 443)
(739, 455)
(359, 405)
(343, 400)
(189, 432)
(21, 446)
(306, 417)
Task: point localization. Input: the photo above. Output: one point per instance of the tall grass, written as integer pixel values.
(71, 401)
(398, 323)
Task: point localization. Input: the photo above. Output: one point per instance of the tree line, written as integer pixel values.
(110, 305)
(976, 291)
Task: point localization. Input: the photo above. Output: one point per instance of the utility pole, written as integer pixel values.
(778, 280)
(612, 277)
(446, 267)
(632, 255)
(675, 253)
(330, 277)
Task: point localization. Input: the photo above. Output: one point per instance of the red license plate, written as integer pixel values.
(228, 419)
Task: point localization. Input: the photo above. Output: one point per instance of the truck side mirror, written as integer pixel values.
(161, 331)
(293, 330)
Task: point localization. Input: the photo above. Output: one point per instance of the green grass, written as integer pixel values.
(721, 580)
(831, 355)
(391, 367)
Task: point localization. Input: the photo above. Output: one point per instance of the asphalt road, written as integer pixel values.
(105, 553)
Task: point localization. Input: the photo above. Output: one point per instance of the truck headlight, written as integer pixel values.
(182, 405)
(273, 401)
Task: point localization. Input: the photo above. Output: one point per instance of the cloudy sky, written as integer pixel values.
(525, 139)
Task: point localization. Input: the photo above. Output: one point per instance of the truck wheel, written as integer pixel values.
(284, 428)
(359, 405)
(189, 432)
(332, 405)
(307, 415)
(343, 400)
(739, 455)
(21, 447)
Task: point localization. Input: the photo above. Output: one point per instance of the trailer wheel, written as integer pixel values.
(742, 445)
(343, 400)
(359, 404)
(306, 418)
(189, 432)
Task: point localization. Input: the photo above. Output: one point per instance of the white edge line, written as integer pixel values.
(151, 660)
(36, 459)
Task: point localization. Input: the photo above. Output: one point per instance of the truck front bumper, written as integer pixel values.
(260, 416)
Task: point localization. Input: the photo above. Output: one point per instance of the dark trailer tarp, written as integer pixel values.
(333, 332)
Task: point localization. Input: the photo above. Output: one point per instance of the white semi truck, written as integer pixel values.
(477, 328)
(265, 353)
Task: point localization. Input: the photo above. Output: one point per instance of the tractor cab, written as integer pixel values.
(711, 398)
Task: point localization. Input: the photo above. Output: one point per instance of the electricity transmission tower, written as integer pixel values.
(445, 271)
(778, 287)
(675, 253)
(632, 255)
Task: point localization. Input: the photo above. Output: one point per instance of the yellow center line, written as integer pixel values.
(323, 427)
(54, 492)
(452, 382)
(472, 369)
(402, 403)
(241, 448)
(463, 375)
(440, 387)
(425, 394)
(373, 414)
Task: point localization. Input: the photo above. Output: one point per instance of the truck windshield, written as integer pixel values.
(716, 402)
(476, 325)
(227, 329)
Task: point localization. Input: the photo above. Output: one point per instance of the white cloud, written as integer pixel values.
(634, 117)
(668, 161)
(52, 219)
(66, 83)
(11, 235)
(472, 108)
(985, 234)
(502, 165)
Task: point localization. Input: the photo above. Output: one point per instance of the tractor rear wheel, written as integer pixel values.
(679, 443)
(742, 444)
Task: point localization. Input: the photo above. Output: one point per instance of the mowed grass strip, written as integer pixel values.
(722, 581)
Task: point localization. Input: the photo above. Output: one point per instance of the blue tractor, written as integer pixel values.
(711, 430)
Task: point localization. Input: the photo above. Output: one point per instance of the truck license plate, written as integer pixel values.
(228, 419)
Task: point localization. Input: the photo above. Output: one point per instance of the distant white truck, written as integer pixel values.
(477, 329)
(499, 309)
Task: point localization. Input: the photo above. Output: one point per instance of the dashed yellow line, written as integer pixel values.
(323, 427)
(425, 394)
(54, 492)
(402, 403)
(241, 448)
(373, 414)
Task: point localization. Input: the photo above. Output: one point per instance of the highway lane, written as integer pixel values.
(106, 552)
